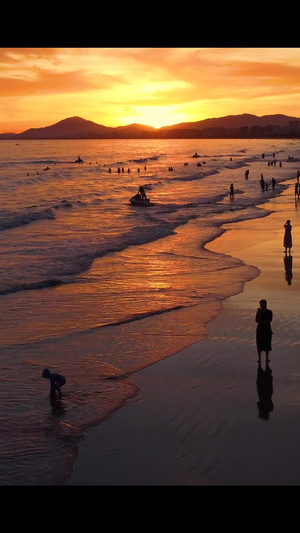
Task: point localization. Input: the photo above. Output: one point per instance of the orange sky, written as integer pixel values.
(153, 86)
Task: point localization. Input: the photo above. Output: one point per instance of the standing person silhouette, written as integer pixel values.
(287, 239)
(231, 188)
(264, 317)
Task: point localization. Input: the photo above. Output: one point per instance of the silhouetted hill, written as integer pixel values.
(234, 126)
(69, 128)
(135, 127)
(135, 131)
(236, 121)
(79, 128)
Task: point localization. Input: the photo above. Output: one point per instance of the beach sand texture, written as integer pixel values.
(196, 420)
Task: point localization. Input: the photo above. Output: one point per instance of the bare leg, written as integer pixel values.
(57, 387)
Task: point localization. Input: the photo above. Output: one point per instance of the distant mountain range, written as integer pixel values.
(231, 126)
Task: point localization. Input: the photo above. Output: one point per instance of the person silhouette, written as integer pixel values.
(56, 381)
(264, 386)
(142, 192)
(263, 318)
(287, 239)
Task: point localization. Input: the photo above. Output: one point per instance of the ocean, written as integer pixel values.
(96, 288)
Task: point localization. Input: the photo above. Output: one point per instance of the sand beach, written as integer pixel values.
(196, 419)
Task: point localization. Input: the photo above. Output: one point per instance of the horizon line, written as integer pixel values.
(156, 128)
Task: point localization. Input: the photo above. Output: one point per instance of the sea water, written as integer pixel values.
(96, 288)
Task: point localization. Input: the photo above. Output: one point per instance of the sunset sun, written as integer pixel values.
(151, 86)
(157, 116)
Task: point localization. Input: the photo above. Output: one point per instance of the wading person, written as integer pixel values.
(56, 381)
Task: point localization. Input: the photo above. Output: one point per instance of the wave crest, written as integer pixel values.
(13, 220)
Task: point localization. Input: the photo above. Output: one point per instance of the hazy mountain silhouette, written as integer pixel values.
(231, 125)
(79, 128)
(237, 121)
(69, 128)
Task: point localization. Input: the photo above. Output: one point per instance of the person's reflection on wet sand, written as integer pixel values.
(288, 267)
(264, 383)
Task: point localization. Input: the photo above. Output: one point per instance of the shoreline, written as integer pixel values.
(195, 419)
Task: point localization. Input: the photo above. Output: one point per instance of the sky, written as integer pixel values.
(152, 86)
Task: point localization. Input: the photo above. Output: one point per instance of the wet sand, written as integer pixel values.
(196, 420)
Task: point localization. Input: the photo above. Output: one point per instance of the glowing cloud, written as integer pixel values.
(154, 86)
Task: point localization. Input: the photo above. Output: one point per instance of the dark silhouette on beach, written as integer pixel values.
(287, 239)
(56, 381)
(262, 182)
(264, 385)
(263, 318)
(288, 267)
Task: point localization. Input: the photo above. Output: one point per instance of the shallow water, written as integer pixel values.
(95, 288)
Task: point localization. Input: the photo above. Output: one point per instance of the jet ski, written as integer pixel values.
(138, 200)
